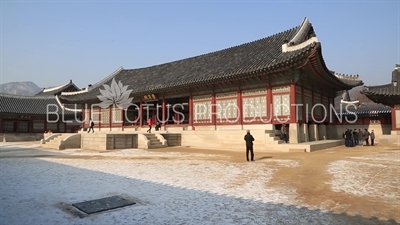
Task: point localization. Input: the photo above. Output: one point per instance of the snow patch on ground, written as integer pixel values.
(393, 156)
(241, 180)
(366, 179)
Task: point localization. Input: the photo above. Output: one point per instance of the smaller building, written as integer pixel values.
(39, 113)
(388, 94)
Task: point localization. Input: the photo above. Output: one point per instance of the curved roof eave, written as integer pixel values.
(328, 73)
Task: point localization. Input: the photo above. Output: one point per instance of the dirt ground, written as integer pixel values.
(358, 181)
(311, 179)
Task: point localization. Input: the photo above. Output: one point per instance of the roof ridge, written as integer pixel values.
(25, 96)
(84, 90)
(56, 87)
(221, 50)
(347, 76)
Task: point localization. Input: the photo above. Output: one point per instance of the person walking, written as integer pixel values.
(360, 137)
(249, 145)
(149, 122)
(372, 135)
(366, 137)
(91, 127)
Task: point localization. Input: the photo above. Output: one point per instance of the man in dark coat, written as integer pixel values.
(347, 138)
(355, 137)
(249, 145)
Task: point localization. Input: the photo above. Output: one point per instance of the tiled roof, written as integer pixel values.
(30, 104)
(386, 90)
(364, 109)
(352, 80)
(56, 90)
(265, 56)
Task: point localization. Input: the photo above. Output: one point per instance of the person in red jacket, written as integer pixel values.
(149, 122)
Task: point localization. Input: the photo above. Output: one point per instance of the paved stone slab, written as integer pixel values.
(103, 204)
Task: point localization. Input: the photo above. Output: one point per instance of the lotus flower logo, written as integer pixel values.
(115, 94)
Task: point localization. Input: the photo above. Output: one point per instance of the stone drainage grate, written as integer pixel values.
(103, 204)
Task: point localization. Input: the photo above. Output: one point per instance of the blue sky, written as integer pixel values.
(51, 42)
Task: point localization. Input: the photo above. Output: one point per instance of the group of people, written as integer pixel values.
(356, 137)
(150, 124)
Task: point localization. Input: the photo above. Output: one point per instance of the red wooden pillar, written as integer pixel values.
(110, 118)
(312, 105)
(163, 111)
(240, 106)
(213, 109)
(303, 108)
(45, 124)
(293, 103)
(122, 118)
(83, 117)
(140, 114)
(30, 124)
(1, 125)
(393, 114)
(16, 128)
(270, 104)
(191, 111)
(99, 118)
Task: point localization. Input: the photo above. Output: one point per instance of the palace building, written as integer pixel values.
(25, 117)
(389, 95)
(257, 85)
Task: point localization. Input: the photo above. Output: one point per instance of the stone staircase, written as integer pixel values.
(154, 142)
(57, 141)
(231, 139)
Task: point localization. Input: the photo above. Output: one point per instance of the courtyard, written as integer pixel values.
(182, 185)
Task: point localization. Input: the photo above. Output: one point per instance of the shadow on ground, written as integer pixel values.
(32, 191)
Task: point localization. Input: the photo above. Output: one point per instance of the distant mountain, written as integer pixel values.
(26, 88)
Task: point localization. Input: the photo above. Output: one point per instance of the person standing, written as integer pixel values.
(360, 137)
(355, 137)
(91, 123)
(284, 133)
(347, 138)
(149, 122)
(366, 137)
(372, 135)
(249, 145)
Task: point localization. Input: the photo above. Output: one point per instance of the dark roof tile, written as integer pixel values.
(30, 104)
(237, 62)
(365, 109)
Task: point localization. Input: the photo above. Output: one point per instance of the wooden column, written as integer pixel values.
(110, 118)
(83, 117)
(140, 114)
(213, 109)
(312, 104)
(30, 124)
(303, 108)
(293, 104)
(270, 104)
(163, 111)
(191, 112)
(45, 124)
(122, 119)
(99, 118)
(58, 126)
(393, 114)
(240, 106)
(16, 128)
(1, 125)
